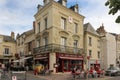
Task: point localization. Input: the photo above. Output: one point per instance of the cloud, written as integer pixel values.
(97, 14)
(17, 15)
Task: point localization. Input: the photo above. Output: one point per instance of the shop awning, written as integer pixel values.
(71, 58)
(41, 58)
(22, 59)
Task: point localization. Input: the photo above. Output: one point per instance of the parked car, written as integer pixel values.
(112, 71)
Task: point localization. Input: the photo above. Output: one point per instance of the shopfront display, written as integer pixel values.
(68, 61)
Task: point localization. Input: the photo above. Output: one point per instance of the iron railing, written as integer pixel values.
(57, 48)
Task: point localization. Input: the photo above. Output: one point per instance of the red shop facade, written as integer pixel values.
(66, 62)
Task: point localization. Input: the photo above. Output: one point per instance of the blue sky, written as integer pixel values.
(18, 15)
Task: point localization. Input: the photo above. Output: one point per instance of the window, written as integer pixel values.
(38, 28)
(63, 23)
(75, 43)
(90, 53)
(90, 41)
(29, 46)
(45, 23)
(38, 43)
(63, 41)
(63, 44)
(75, 27)
(64, 3)
(6, 51)
(75, 46)
(98, 43)
(18, 42)
(0, 40)
(98, 54)
(45, 41)
(76, 10)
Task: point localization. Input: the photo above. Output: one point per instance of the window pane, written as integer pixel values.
(63, 23)
(45, 23)
(75, 27)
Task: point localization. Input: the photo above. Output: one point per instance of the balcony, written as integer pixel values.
(7, 55)
(57, 48)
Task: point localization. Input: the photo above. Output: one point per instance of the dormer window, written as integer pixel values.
(64, 3)
(74, 8)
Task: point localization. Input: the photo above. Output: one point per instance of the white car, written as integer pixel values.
(113, 71)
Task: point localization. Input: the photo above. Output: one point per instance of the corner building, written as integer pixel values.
(59, 36)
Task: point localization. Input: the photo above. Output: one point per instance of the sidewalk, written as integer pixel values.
(64, 76)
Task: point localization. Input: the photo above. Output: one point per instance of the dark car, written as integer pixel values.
(113, 71)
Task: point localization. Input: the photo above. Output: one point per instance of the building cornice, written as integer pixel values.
(53, 3)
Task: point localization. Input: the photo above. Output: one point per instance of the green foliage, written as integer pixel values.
(114, 6)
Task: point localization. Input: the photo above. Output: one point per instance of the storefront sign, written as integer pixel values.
(70, 56)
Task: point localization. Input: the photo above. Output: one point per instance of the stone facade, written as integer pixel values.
(108, 48)
(49, 30)
(92, 46)
(7, 48)
(25, 45)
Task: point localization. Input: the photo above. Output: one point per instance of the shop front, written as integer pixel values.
(66, 62)
(95, 64)
(42, 59)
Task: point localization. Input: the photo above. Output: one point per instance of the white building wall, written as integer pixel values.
(108, 51)
(111, 50)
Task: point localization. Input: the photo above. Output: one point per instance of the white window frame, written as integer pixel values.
(63, 23)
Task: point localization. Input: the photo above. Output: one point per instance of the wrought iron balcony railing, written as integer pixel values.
(57, 48)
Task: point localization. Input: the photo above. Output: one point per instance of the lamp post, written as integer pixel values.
(88, 58)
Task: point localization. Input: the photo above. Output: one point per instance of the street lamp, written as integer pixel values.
(88, 58)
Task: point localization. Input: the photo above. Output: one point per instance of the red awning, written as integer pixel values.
(71, 58)
(41, 58)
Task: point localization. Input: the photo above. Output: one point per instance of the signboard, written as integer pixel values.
(70, 19)
(14, 78)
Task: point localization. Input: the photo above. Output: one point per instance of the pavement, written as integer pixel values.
(64, 76)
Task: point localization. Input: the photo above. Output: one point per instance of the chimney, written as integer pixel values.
(63, 2)
(75, 8)
(39, 7)
(101, 30)
(34, 26)
(46, 1)
(12, 35)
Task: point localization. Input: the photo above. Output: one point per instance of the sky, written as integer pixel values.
(18, 15)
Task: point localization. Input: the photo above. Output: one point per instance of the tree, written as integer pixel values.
(114, 6)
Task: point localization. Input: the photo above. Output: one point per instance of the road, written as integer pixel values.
(30, 76)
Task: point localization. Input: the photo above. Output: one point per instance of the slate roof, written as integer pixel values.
(8, 38)
(89, 28)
